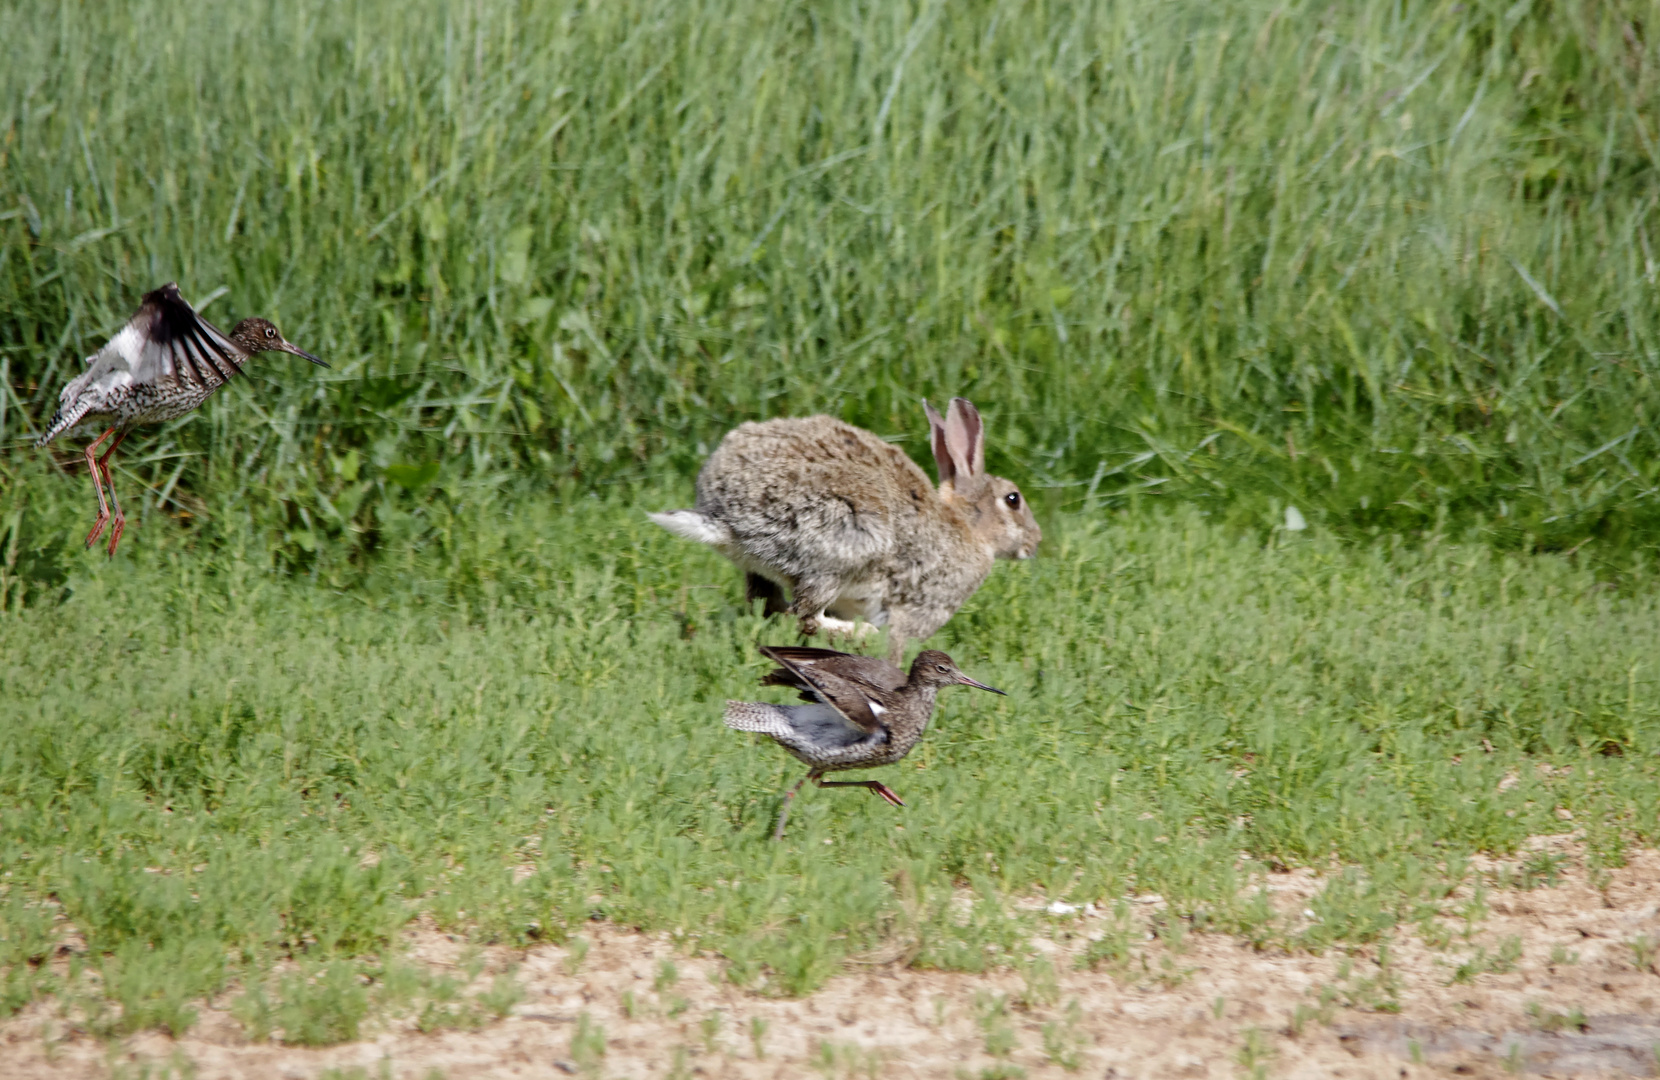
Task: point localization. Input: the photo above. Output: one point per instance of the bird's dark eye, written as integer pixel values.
(1013, 499)
(270, 331)
(942, 667)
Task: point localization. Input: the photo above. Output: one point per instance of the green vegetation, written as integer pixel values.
(385, 636)
(209, 766)
(1391, 262)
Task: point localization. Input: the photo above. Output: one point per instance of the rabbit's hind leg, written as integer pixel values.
(812, 596)
(757, 587)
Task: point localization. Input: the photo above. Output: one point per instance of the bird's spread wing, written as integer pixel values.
(802, 653)
(170, 339)
(791, 660)
(846, 696)
(870, 671)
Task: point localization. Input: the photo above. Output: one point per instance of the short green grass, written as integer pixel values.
(209, 767)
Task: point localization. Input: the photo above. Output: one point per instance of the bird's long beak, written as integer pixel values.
(297, 351)
(966, 681)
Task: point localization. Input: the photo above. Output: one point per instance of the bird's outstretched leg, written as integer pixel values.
(875, 785)
(120, 518)
(92, 464)
(784, 813)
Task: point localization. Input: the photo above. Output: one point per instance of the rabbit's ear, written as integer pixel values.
(965, 439)
(942, 456)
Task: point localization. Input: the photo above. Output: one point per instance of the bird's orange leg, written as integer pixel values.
(120, 518)
(875, 785)
(784, 811)
(98, 485)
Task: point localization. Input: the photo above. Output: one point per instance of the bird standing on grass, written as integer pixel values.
(162, 365)
(864, 712)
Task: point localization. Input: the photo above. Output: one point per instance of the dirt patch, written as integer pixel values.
(1557, 981)
(1599, 1044)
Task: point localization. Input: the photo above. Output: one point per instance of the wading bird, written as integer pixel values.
(864, 712)
(163, 364)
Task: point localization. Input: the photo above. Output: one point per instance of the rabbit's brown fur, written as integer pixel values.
(850, 524)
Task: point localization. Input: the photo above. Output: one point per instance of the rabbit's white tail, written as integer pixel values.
(694, 526)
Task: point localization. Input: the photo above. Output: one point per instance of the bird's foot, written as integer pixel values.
(876, 786)
(116, 530)
(97, 528)
(886, 792)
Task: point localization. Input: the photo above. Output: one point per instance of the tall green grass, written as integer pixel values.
(208, 767)
(1390, 262)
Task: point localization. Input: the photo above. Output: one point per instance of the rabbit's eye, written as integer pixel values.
(1013, 499)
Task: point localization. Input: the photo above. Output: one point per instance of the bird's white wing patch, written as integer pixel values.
(128, 345)
(121, 353)
(875, 709)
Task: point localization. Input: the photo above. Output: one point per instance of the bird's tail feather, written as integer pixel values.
(755, 716)
(62, 421)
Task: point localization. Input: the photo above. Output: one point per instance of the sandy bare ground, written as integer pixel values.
(1575, 1003)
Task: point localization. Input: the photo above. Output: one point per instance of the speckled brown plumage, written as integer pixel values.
(161, 366)
(862, 712)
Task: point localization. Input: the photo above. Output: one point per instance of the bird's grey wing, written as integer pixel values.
(847, 697)
(801, 727)
(174, 342)
(843, 695)
(824, 726)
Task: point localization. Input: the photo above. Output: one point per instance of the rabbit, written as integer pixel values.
(852, 527)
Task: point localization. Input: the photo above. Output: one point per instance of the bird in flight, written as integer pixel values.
(162, 365)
